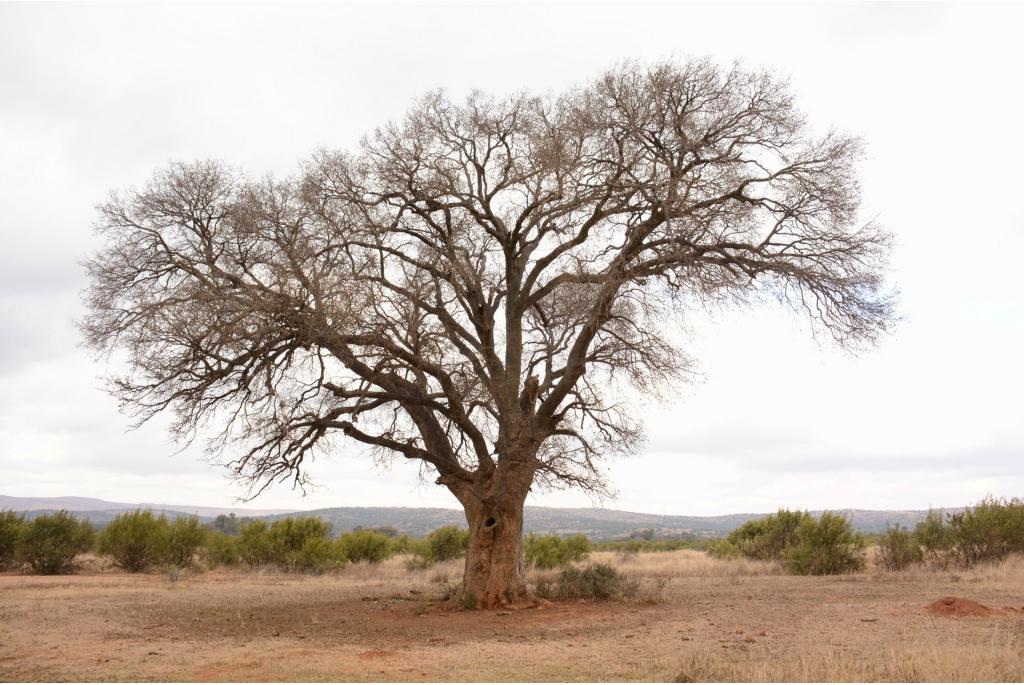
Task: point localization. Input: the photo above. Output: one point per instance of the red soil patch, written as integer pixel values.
(958, 607)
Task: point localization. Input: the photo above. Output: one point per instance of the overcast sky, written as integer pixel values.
(96, 97)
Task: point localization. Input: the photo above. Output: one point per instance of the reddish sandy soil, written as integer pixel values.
(389, 625)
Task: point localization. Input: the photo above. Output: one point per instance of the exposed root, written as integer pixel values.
(510, 600)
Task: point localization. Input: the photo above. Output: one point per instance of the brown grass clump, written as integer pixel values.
(1002, 661)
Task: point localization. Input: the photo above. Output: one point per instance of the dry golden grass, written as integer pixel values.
(685, 563)
(1001, 661)
(714, 620)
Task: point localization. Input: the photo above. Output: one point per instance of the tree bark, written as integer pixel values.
(494, 574)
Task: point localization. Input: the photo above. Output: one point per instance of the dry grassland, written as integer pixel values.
(697, 619)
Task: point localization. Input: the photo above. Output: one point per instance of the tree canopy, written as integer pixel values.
(468, 287)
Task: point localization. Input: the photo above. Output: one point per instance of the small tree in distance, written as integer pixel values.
(49, 543)
(11, 527)
(136, 540)
(467, 289)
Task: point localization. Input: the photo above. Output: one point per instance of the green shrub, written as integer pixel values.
(300, 544)
(596, 581)
(400, 544)
(724, 549)
(136, 540)
(49, 543)
(364, 545)
(318, 555)
(825, 546)
(898, 549)
(184, 536)
(989, 531)
(576, 547)
(11, 527)
(768, 538)
(635, 546)
(542, 551)
(551, 551)
(220, 549)
(292, 544)
(804, 544)
(447, 542)
(254, 545)
(934, 539)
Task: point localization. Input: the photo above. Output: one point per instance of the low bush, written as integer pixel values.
(11, 527)
(542, 551)
(136, 540)
(443, 544)
(576, 547)
(989, 531)
(254, 547)
(934, 540)
(318, 555)
(898, 549)
(596, 581)
(184, 537)
(637, 546)
(551, 551)
(299, 544)
(50, 543)
(401, 544)
(364, 545)
(805, 545)
(447, 542)
(302, 544)
(825, 546)
(723, 549)
(220, 549)
(768, 538)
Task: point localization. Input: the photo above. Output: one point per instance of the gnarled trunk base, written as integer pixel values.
(494, 576)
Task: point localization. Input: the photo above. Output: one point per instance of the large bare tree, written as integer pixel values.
(469, 288)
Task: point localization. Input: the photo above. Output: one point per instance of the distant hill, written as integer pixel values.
(101, 512)
(598, 524)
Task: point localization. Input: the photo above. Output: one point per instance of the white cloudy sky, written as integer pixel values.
(96, 97)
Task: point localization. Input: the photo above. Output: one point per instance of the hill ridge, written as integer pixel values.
(596, 522)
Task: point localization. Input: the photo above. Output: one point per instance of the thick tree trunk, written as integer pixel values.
(494, 575)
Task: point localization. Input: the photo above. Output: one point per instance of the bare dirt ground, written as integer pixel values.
(698, 619)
